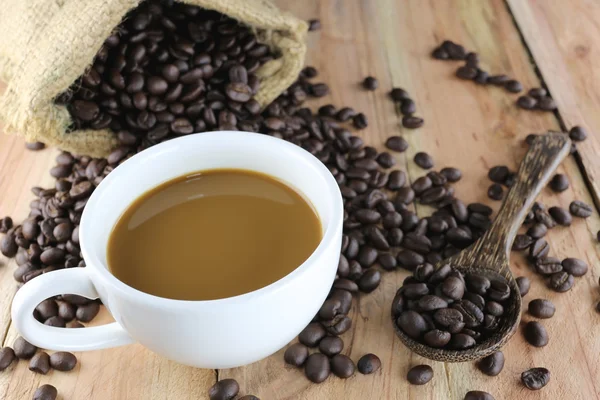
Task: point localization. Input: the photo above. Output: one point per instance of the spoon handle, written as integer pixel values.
(536, 169)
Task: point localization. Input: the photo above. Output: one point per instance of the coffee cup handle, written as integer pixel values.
(66, 281)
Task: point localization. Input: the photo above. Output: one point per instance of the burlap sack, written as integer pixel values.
(45, 45)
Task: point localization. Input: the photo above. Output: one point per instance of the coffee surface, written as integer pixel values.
(213, 234)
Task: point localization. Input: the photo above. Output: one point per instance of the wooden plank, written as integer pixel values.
(568, 57)
(469, 127)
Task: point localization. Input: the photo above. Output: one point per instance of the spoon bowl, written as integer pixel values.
(489, 255)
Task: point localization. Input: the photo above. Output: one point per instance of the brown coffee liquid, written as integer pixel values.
(213, 234)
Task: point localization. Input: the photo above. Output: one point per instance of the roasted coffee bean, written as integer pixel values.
(494, 308)
(338, 325)
(369, 281)
(408, 107)
(63, 361)
(453, 288)
(477, 283)
(478, 395)
(513, 86)
(387, 261)
(417, 243)
(5, 224)
(559, 183)
(495, 192)
(541, 308)
(472, 315)
(423, 272)
(493, 364)
(85, 110)
(47, 308)
(421, 184)
(56, 321)
(329, 309)
(479, 208)
(498, 80)
(524, 284)
(466, 72)
(412, 323)
(313, 25)
(23, 349)
(370, 83)
(522, 242)
(386, 160)
(7, 356)
(461, 341)
(431, 303)
(548, 265)
(561, 281)
(546, 104)
(368, 364)
(448, 317)
(345, 299)
(360, 121)
(537, 92)
(296, 354)
(537, 231)
(539, 249)
(75, 299)
(45, 392)
(342, 366)
(574, 266)
(66, 311)
(251, 397)
(317, 368)
(225, 389)
(580, 209)
(455, 51)
(419, 375)
(331, 345)
(409, 259)
(312, 334)
(440, 54)
(367, 256)
(535, 378)
(423, 160)
(399, 94)
(397, 180)
(535, 334)
(527, 102)
(40, 363)
(578, 134)
(8, 245)
(412, 122)
(560, 215)
(437, 338)
(451, 174)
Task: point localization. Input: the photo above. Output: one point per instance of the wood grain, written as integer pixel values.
(563, 39)
(467, 126)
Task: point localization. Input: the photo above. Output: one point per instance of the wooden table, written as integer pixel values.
(541, 42)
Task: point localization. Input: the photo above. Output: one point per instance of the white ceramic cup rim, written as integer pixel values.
(302, 156)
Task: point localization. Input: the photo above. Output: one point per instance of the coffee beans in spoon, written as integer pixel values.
(451, 310)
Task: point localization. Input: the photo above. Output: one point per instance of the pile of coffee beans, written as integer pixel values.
(536, 99)
(407, 108)
(169, 69)
(472, 71)
(446, 309)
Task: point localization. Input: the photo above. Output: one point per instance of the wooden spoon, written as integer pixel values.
(489, 256)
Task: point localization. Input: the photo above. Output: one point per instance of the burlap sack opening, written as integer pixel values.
(45, 45)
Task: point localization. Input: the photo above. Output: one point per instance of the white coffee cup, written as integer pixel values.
(220, 333)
